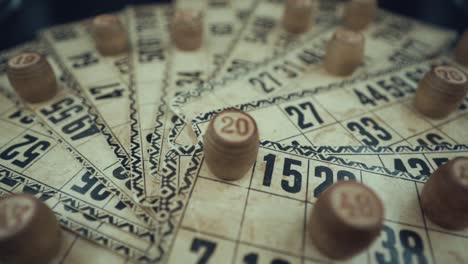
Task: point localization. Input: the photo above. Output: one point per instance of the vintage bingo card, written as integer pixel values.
(44, 158)
(152, 118)
(262, 36)
(75, 249)
(82, 137)
(264, 216)
(385, 43)
(97, 78)
(149, 40)
(221, 23)
(373, 111)
(82, 204)
(265, 35)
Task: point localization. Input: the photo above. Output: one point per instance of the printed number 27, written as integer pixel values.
(299, 111)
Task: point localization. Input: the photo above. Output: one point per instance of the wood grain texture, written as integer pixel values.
(298, 15)
(461, 50)
(441, 91)
(29, 231)
(445, 195)
(231, 144)
(358, 14)
(344, 53)
(346, 219)
(187, 29)
(109, 35)
(31, 75)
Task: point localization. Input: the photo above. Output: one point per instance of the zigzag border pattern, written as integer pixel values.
(92, 212)
(86, 164)
(73, 83)
(217, 84)
(136, 145)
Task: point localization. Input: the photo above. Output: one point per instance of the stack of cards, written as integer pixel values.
(110, 137)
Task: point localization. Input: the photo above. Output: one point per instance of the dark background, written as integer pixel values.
(21, 19)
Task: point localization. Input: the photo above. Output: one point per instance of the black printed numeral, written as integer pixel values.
(266, 82)
(98, 192)
(208, 248)
(238, 65)
(370, 130)
(288, 171)
(22, 117)
(259, 33)
(189, 78)
(63, 34)
(107, 91)
(252, 258)
(36, 147)
(432, 139)
(372, 98)
(65, 109)
(299, 111)
(411, 242)
(327, 174)
(221, 29)
(423, 170)
(83, 60)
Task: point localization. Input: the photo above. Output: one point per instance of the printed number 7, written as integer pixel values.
(209, 246)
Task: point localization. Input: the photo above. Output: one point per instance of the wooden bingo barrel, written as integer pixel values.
(344, 53)
(109, 35)
(441, 91)
(346, 219)
(29, 231)
(297, 16)
(444, 197)
(187, 29)
(31, 75)
(231, 144)
(358, 14)
(461, 50)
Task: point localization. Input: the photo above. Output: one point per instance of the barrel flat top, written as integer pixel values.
(16, 212)
(450, 74)
(105, 20)
(187, 16)
(299, 3)
(24, 60)
(460, 171)
(234, 126)
(348, 36)
(356, 204)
